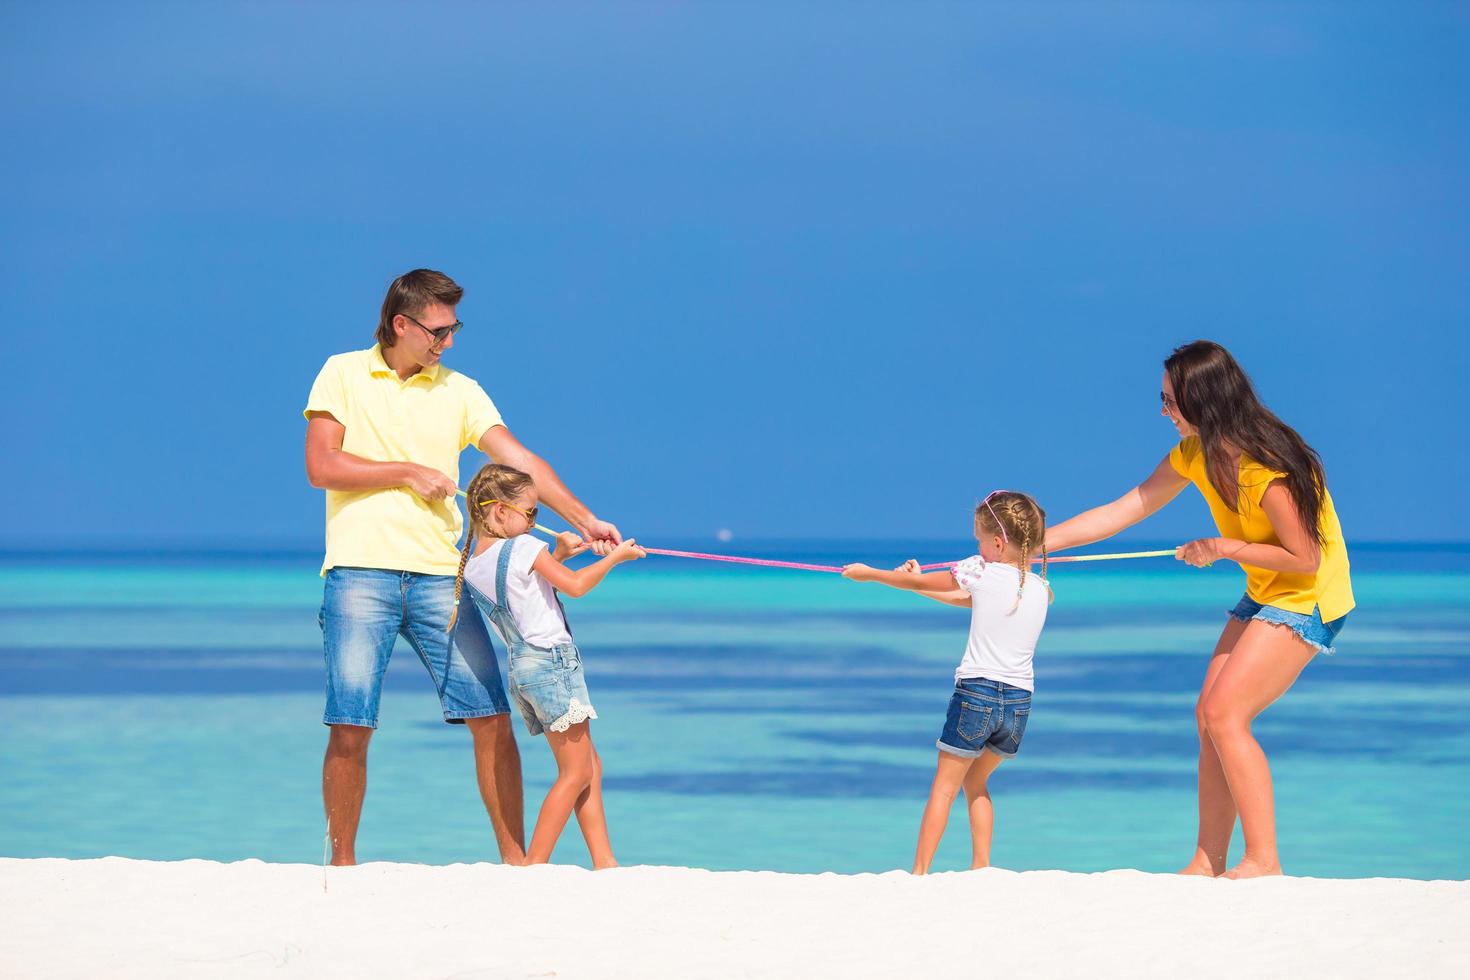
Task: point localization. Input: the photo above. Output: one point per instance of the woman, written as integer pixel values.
(1267, 492)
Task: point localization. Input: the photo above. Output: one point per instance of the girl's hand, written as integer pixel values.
(568, 543)
(1201, 553)
(911, 566)
(858, 572)
(628, 550)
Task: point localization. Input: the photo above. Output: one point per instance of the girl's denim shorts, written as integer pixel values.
(1319, 635)
(985, 714)
(549, 687)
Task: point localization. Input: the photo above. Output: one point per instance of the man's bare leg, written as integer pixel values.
(498, 769)
(344, 782)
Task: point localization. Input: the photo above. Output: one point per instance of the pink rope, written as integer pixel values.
(766, 562)
(803, 566)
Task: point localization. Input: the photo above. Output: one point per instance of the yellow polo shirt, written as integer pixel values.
(1329, 587)
(428, 419)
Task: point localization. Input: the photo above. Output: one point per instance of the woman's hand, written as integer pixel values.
(568, 543)
(911, 566)
(858, 572)
(1200, 553)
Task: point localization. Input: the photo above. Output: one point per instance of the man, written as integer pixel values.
(385, 427)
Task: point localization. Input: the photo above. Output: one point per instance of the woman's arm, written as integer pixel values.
(1162, 486)
(582, 581)
(1298, 552)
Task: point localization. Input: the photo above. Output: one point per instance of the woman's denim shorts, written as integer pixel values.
(985, 714)
(549, 687)
(1319, 635)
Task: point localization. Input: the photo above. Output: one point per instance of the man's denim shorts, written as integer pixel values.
(549, 687)
(1319, 635)
(985, 714)
(364, 610)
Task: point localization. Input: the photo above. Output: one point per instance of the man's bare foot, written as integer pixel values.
(1252, 869)
(343, 862)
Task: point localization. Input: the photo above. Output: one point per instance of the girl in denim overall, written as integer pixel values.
(992, 693)
(514, 581)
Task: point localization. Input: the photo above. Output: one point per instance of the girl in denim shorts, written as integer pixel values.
(514, 580)
(992, 693)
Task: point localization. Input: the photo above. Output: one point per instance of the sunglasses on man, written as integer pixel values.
(440, 334)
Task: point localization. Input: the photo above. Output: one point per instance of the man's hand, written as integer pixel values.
(1201, 553)
(602, 536)
(429, 483)
(568, 544)
(858, 572)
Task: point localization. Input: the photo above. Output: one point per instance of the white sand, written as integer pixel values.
(122, 918)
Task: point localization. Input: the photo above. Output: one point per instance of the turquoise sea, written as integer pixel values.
(168, 705)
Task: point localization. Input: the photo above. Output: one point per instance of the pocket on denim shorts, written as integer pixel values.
(1018, 724)
(974, 722)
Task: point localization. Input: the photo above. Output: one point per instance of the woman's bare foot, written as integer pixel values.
(1197, 867)
(609, 863)
(1248, 868)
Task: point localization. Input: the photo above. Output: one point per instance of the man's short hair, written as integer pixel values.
(409, 294)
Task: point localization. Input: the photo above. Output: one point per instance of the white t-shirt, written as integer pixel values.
(1001, 642)
(532, 601)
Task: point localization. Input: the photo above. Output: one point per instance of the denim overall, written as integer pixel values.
(546, 683)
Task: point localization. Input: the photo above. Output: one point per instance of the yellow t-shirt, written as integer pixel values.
(428, 419)
(1329, 587)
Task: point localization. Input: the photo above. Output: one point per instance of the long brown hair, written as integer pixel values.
(493, 482)
(1215, 395)
(1024, 523)
(409, 294)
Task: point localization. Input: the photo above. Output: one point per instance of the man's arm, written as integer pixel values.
(501, 446)
(329, 467)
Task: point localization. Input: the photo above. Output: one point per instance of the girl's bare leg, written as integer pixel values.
(1264, 664)
(592, 820)
(574, 754)
(982, 813)
(949, 775)
(1216, 806)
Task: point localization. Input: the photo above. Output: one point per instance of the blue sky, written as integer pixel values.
(788, 269)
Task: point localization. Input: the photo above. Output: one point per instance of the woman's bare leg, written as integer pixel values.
(949, 775)
(593, 820)
(1216, 806)
(1263, 665)
(573, 751)
(982, 813)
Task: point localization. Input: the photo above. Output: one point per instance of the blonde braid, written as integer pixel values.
(472, 524)
(1024, 526)
(464, 557)
(1050, 595)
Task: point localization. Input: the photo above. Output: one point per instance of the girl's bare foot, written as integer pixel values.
(1248, 868)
